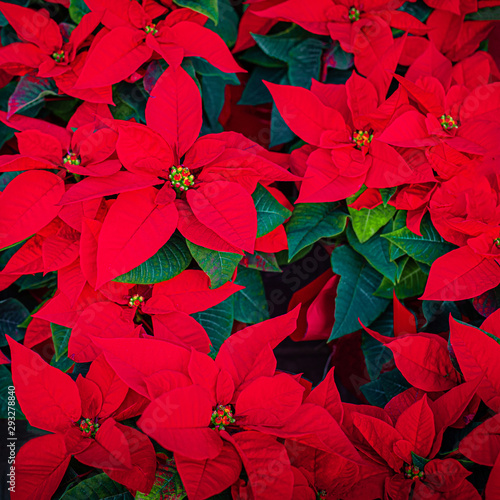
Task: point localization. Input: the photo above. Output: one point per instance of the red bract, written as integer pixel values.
(82, 417)
(44, 48)
(207, 182)
(343, 122)
(209, 402)
(464, 215)
(422, 358)
(362, 27)
(130, 38)
(418, 429)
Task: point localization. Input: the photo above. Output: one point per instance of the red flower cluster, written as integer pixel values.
(149, 189)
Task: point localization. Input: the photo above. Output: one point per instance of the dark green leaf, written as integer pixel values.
(208, 8)
(219, 266)
(411, 284)
(217, 322)
(280, 131)
(417, 9)
(388, 385)
(250, 304)
(426, 248)
(280, 45)
(398, 222)
(270, 212)
(387, 194)
(36, 281)
(12, 314)
(312, 221)
(99, 487)
(355, 297)
(376, 355)
(227, 27)
(77, 9)
(130, 100)
(7, 402)
(30, 92)
(167, 263)
(213, 89)
(60, 337)
(419, 462)
(255, 55)
(262, 261)
(375, 251)
(255, 92)
(204, 68)
(488, 14)
(305, 62)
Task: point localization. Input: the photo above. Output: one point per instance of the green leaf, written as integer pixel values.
(387, 194)
(417, 9)
(355, 297)
(7, 402)
(366, 222)
(208, 8)
(411, 284)
(217, 322)
(6, 177)
(376, 355)
(168, 262)
(280, 45)
(60, 337)
(12, 314)
(99, 487)
(219, 266)
(398, 222)
(227, 25)
(250, 304)
(213, 89)
(77, 9)
(204, 68)
(256, 56)
(418, 461)
(270, 212)
(312, 221)
(426, 248)
(280, 131)
(255, 92)
(305, 62)
(262, 261)
(36, 281)
(31, 91)
(388, 385)
(130, 100)
(488, 14)
(375, 251)
(64, 364)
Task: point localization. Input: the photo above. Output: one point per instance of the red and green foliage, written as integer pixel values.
(250, 251)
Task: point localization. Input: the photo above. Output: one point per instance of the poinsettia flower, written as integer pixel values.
(131, 37)
(85, 147)
(205, 184)
(417, 430)
(344, 122)
(239, 390)
(447, 117)
(43, 48)
(169, 305)
(465, 216)
(361, 27)
(82, 419)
